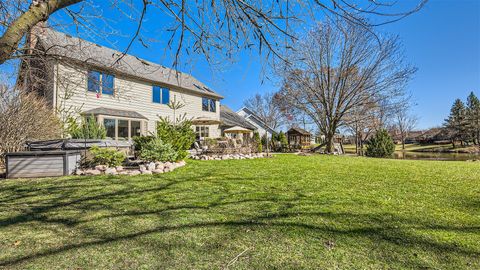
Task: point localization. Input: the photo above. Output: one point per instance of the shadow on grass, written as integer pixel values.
(90, 196)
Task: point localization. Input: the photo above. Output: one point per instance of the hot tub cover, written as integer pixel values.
(72, 144)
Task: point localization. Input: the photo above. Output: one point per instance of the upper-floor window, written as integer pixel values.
(209, 105)
(160, 95)
(100, 82)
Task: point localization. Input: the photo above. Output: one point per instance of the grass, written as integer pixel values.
(289, 212)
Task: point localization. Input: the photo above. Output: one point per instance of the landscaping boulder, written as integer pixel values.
(111, 171)
(157, 171)
(146, 172)
(119, 168)
(101, 168)
(142, 168)
(151, 166)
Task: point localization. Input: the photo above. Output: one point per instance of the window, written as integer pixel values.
(135, 129)
(109, 125)
(94, 81)
(107, 84)
(212, 105)
(123, 129)
(205, 104)
(202, 131)
(209, 105)
(99, 82)
(160, 95)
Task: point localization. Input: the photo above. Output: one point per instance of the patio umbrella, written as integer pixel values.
(205, 121)
(237, 129)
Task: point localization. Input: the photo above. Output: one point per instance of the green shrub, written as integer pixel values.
(282, 138)
(258, 141)
(381, 145)
(210, 142)
(179, 135)
(88, 128)
(157, 150)
(140, 141)
(107, 156)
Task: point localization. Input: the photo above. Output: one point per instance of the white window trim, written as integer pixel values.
(143, 124)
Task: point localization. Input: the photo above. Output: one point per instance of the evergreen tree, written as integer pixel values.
(473, 117)
(457, 122)
(381, 145)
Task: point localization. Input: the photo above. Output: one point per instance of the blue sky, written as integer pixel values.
(442, 41)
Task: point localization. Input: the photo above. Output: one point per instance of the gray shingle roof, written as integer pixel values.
(299, 130)
(230, 118)
(62, 45)
(114, 112)
(254, 117)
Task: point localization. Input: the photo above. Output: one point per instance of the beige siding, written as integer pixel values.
(133, 95)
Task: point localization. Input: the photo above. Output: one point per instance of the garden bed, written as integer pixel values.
(229, 156)
(150, 168)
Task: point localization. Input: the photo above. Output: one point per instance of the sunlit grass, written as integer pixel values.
(288, 212)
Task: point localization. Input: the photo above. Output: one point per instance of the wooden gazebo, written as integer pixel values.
(298, 138)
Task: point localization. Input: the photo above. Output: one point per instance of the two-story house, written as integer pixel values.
(124, 93)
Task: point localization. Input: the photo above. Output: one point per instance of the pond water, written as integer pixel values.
(436, 156)
(432, 156)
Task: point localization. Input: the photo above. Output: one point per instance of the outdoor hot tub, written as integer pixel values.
(41, 163)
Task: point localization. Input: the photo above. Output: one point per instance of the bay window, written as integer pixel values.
(109, 125)
(122, 129)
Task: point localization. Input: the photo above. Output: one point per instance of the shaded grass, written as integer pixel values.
(289, 212)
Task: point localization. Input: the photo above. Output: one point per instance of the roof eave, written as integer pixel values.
(124, 74)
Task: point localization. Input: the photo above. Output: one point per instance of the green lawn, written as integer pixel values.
(288, 212)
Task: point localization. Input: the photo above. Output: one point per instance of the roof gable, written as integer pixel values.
(230, 118)
(253, 117)
(298, 130)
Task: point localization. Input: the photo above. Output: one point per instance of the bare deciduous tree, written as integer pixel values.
(340, 66)
(201, 27)
(404, 123)
(24, 116)
(267, 108)
(361, 122)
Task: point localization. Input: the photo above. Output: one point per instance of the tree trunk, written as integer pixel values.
(18, 29)
(329, 138)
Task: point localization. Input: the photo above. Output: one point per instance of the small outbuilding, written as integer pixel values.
(298, 138)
